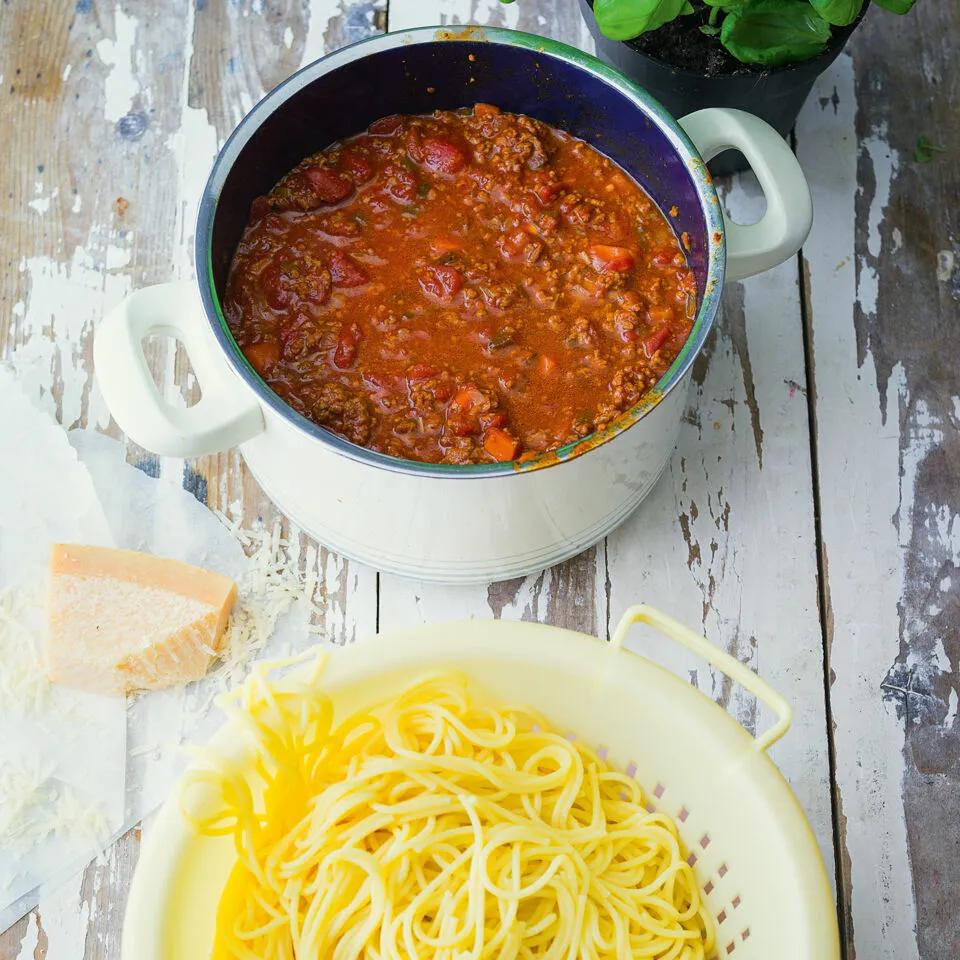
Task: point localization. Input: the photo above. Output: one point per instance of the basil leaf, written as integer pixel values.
(896, 6)
(924, 151)
(626, 19)
(774, 32)
(838, 12)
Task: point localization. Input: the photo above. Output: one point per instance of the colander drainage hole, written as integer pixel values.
(746, 934)
(658, 790)
(692, 859)
(721, 916)
(683, 814)
(705, 841)
(731, 946)
(722, 870)
(736, 901)
(708, 887)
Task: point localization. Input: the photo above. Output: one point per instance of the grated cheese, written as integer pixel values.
(24, 686)
(276, 579)
(34, 806)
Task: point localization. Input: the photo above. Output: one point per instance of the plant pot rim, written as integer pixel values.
(838, 40)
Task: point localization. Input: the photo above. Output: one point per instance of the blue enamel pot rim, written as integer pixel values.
(710, 206)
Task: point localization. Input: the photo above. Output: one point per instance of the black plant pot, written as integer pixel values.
(775, 95)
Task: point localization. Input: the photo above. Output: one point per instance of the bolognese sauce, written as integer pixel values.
(465, 287)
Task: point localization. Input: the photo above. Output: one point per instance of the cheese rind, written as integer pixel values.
(121, 620)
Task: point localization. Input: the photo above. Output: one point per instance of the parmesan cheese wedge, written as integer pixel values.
(121, 620)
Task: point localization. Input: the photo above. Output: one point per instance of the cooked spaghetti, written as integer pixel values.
(436, 825)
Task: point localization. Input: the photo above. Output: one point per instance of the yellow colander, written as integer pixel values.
(751, 845)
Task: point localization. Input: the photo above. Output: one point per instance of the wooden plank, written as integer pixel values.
(883, 290)
(113, 100)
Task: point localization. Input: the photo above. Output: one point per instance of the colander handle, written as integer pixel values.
(722, 660)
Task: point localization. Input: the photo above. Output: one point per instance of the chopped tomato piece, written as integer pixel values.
(442, 156)
(500, 445)
(330, 187)
(546, 188)
(485, 110)
(496, 419)
(357, 165)
(421, 371)
(401, 184)
(386, 126)
(381, 381)
(345, 271)
(654, 342)
(441, 282)
(415, 145)
(463, 426)
(606, 258)
(514, 242)
(263, 356)
(347, 344)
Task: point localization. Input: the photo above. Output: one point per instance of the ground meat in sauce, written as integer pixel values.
(466, 287)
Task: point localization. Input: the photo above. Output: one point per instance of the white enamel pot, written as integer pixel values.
(437, 522)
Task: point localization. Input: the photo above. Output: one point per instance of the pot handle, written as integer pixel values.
(223, 416)
(718, 658)
(780, 232)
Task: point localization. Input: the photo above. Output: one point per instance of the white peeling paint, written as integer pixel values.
(858, 451)
(951, 714)
(65, 76)
(63, 302)
(117, 54)
(946, 264)
(407, 14)
(287, 37)
(884, 163)
(41, 203)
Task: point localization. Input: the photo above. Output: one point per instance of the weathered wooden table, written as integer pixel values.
(810, 518)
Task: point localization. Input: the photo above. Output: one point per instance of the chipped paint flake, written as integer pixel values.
(946, 264)
(117, 55)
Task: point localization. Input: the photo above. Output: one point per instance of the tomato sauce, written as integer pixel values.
(467, 287)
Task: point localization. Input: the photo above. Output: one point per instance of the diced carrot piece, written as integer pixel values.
(606, 258)
(466, 398)
(263, 356)
(441, 245)
(500, 445)
(660, 315)
(485, 110)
